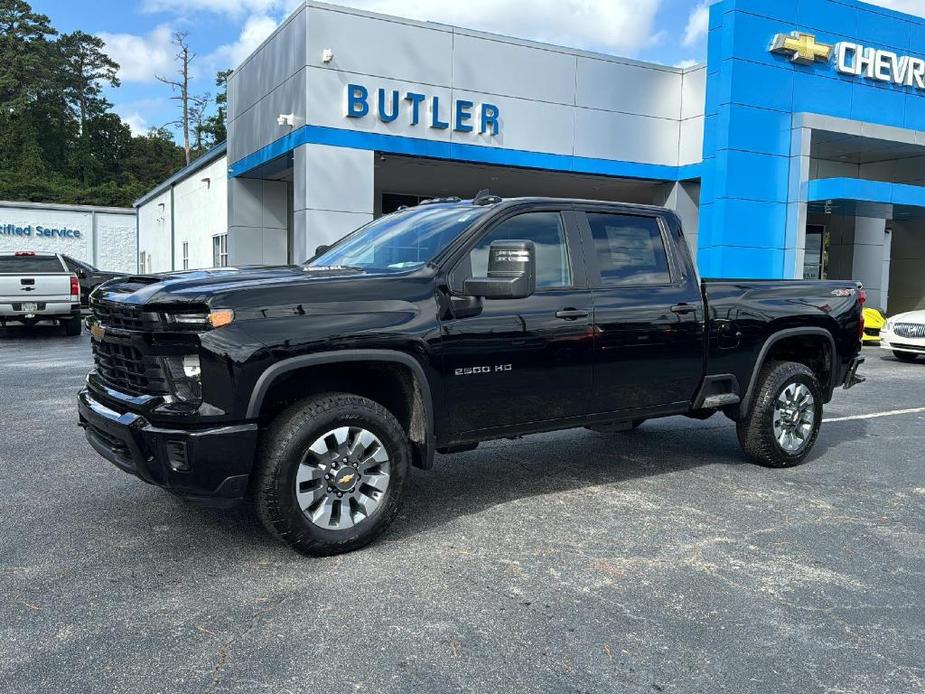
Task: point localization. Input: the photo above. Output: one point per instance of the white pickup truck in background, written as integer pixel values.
(38, 287)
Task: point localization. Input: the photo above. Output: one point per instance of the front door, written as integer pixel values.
(509, 363)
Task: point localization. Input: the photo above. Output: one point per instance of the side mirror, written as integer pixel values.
(511, 272)
(323, 248)
(81, 273)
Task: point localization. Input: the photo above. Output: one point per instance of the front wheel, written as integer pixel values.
(331, 473)
(785, 416)
(905, 356)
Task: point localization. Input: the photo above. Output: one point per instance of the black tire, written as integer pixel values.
(285, 444)
(72, 326)
(905, 356)
(756, 431)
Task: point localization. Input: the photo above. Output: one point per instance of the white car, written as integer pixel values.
(904, 335)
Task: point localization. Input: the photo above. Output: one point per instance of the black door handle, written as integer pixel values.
(571, 314)
(683, 308)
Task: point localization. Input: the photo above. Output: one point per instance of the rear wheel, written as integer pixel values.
(905, 356)
(72, 326)
(331, 473)
(785, 416)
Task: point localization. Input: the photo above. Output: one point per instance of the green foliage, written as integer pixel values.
(212, 130)
(59, 140)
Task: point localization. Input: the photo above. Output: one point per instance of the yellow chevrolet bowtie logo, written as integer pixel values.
(346, 479)
(801, 47)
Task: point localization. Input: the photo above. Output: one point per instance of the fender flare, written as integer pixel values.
(776, 337)
(267, 378)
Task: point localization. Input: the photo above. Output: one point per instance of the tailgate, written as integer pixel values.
(35, 287)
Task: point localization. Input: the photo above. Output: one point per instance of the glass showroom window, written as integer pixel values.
(220, 250)
(186, 255)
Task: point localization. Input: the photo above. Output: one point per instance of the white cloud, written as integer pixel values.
(686, 63)
(141, 57)
(624, 27)
(916, 7)
(698, 23)
(608, 25)
(135, 121)
(231, 55)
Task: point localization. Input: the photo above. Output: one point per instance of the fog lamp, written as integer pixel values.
(184, 376)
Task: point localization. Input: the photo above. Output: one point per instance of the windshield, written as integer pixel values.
(401, 241)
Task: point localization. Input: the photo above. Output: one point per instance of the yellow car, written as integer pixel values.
(873, 323)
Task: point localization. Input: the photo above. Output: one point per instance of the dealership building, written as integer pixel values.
(798, 150)
(104, 237)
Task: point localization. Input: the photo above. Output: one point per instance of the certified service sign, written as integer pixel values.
(853, 59)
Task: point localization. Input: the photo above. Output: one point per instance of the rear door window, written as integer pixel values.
(629, 249)
(29, 264)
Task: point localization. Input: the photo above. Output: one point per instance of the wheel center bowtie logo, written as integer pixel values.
(346, 479)
(802, 48)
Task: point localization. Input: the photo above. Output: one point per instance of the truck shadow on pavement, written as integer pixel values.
(501, 472)
(469, 483)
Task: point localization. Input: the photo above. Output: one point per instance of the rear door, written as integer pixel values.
(648, 312)
(33, 278)
(510, 363)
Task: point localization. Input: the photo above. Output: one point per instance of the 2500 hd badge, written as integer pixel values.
(469, 370)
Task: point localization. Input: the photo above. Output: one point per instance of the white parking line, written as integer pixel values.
(873, 415)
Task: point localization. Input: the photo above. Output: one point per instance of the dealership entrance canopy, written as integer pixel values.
(797, 150)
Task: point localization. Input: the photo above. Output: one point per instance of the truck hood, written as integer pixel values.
(211, 286)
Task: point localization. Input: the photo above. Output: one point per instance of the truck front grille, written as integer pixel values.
(123, 317)
(126, 369)
(914, 330)
(122, 353)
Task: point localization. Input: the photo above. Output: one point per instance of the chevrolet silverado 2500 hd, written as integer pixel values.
(311, 389)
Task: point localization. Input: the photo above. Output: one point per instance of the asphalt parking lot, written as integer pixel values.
(655, 561)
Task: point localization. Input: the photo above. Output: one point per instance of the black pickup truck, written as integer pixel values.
(311, 389)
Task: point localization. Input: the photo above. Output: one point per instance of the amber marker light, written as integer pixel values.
(220, 317)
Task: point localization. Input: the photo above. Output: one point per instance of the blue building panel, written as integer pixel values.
(752, 94)
(756, 129)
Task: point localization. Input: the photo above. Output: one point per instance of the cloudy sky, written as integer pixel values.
(223, 32)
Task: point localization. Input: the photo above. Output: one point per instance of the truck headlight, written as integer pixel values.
(184, 376)
(199, 320)
(888, 328)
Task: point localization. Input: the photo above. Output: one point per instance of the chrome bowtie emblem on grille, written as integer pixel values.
(802, 48)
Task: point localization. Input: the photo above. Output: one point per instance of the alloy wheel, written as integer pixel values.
(342, 478)
(794, 417)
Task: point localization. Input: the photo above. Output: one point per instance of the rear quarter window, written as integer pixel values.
(28, 264)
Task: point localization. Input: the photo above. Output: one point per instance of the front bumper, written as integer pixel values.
(892, 341)
(210, 465)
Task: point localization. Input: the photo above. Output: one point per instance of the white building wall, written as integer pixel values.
(200, 212)
(108, 241)
(154, 232)
(115, 242)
